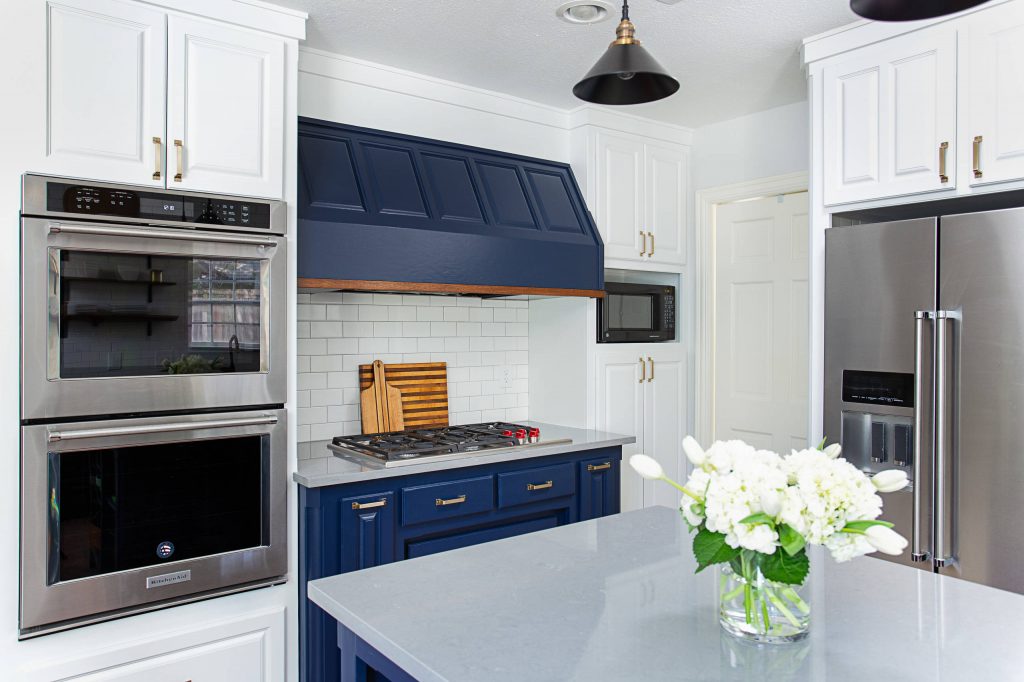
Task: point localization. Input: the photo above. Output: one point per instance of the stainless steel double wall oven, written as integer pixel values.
(153, 383)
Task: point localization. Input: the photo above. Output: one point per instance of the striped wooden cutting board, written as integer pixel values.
(424, 387)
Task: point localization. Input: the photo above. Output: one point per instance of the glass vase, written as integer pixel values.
(754, 608)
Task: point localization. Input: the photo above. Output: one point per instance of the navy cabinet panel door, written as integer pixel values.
(599, 487)
(367, 531)
(498, 219)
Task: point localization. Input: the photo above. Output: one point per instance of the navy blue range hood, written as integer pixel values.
(379, 211)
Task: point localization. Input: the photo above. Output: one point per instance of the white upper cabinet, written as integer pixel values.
(105, 91)
(640, 198)
(890, 118)
(994, 128)
(619, 201)
(226, 109)
(666, 179)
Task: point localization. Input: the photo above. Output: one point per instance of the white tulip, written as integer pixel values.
(694, 452)
(832, 451)
(890, 480)
(885, 540)
(647, 467)
(771, 503)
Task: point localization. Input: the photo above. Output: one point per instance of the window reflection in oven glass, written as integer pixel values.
(141, 315)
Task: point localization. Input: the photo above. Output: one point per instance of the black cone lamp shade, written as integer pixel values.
(626, 73)
(909, 10)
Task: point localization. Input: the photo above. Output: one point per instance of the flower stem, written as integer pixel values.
(764, 610)
(680, 488)
(777, 603)
(790, 594)
(732, 594)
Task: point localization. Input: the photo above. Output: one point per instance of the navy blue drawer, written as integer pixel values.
(475, 537)
(534, 485)
(451, 499)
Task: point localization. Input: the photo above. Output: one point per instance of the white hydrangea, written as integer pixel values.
(846, 546)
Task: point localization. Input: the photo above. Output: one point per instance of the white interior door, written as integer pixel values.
(761, 322)
(226, 92)
(995, 94)
(620, 169)
(664, 424)
(621, 379)
(105, 83)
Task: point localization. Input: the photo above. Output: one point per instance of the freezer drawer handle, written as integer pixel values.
(55, 436)
(918, 552)
(184, 235)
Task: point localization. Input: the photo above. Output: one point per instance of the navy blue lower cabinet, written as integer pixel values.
(360, 525)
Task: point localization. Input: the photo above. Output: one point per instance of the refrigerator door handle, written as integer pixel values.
(919, 550)
(944, 417)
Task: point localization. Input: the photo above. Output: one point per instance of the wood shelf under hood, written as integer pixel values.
(483, 290)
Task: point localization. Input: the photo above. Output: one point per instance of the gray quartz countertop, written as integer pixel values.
(617, 599)
(332, 470)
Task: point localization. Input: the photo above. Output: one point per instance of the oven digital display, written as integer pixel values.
(166, 208)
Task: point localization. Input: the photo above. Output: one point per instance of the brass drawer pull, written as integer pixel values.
(599, 467)
(540, 486)
(455, 500)
(942, 162)
(178, 148)
(383, 502)
(157, 157)
(977, 156)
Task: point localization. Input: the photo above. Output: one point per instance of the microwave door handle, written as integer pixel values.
(170, 427)
(184, 235)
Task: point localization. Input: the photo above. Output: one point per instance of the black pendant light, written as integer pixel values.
(909, 10)
(626, 73)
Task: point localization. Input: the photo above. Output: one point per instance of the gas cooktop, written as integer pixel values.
(412, 446)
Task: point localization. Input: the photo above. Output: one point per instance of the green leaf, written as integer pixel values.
(864, 525)
(759, 518)
(790, 540)
(821, 445)
(710, 548)
(780, 567)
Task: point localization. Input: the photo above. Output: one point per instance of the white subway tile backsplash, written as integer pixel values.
(482, 342)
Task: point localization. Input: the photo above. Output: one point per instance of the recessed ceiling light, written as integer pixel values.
(584, 11)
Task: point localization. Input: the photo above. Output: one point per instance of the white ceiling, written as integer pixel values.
(731, 57)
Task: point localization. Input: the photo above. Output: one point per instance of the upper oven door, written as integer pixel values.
(125, 319)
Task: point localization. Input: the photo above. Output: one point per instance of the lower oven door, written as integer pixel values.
(154, 320)
(128, 515)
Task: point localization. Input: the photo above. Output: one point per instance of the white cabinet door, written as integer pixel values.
(620, 409)
(995, 94)
(664, 421)
(619, 216)
(665, 185)
(890, 118)
(105, 90)
(226, 109)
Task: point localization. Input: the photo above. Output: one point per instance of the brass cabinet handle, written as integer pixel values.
(977, 156)
(599, 467)
(643, 371)
(383, 502)
(157, 157)
(643, 243)
(178, 147)
(650, 378)
(942, 162)
(455, 500)
(651, 252)
(540, 486)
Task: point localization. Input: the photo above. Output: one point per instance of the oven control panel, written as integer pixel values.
(109, 202)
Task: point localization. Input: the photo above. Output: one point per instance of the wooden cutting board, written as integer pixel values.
(380, 403)
(424, 387)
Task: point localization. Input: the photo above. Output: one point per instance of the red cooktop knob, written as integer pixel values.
(507, 432)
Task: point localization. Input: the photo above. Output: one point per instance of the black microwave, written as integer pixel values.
(636, 313)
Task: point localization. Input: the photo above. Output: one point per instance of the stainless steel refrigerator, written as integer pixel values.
(924, 371)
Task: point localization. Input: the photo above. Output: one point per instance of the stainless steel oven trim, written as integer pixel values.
(46, 396)
(149, 233)
(33, 202)
(45, 607)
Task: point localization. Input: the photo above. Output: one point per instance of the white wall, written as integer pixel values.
(481, 340)
(760, 145)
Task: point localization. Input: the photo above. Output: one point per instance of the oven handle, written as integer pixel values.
(55, 436)
(184, 235)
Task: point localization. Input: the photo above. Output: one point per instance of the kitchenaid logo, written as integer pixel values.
(168, 579)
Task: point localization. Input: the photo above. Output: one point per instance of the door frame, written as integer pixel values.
(707, 202)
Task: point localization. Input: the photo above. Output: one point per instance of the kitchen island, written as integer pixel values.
(616, 598)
